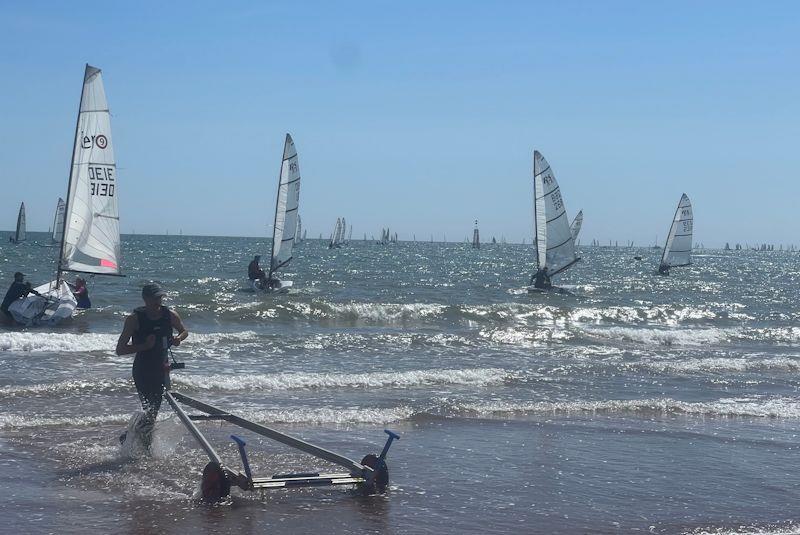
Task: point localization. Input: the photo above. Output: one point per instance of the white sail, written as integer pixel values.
(58, 222)
(21, 235)
(555, 245)
(678, 249)
(298, 236)
(476, 238)
(91, 238)
(575, 227)
(285, 227)
(336, 231)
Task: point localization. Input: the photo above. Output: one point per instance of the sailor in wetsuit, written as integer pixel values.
(541, 280)
(18, 289)
(663, 269)
(151, 328)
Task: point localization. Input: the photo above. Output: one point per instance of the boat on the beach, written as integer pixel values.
(555, 245)
(284, 228)
(90, 241)
(678, 247)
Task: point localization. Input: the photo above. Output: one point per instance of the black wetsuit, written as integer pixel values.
(149, 372)
(254, 271)
(17, 290)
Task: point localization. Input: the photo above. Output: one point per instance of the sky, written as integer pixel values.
(420, 116)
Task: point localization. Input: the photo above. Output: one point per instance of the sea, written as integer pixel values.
(627, 402)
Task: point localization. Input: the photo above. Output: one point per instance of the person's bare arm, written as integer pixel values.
(177, 324)
(123, 345)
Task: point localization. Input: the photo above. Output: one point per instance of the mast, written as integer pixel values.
(275, 220)
(69, 182)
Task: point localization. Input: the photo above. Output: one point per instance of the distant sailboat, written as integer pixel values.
(336, 236)
(575, 227)
(20, 235)
(476, 239)
(90, 242)
(555, 244)
(678, 248)
(284, 228)
(298, 235)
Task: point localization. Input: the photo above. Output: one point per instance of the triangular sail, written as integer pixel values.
(555, 245)
(575, 227)
(336, 231)
(476, 237)
(298, 236)
(58, 222)
(21, 234)
(678, 249)
(91, 239)
(288, 199)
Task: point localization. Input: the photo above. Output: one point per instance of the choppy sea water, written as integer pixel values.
(632, 403)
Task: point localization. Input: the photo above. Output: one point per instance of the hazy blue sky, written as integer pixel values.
(418, 115)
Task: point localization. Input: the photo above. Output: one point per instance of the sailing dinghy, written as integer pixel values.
(90, 241)
(575, 227)
(58, 225)
(284, 229)
(338, 233)
(678, 249)
(19, 235)
(555, 245)
(476, 237)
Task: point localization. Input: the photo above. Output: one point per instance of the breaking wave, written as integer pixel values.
(292, 381)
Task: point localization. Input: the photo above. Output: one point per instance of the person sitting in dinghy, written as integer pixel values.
(81, 293)
(254, 272)
(542, 280)
(19, 289)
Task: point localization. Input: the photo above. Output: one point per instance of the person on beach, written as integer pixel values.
(18, 290)
(151, 328)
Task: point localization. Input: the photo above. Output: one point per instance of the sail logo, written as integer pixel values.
(293, 167)
(100, 141)
(686, 213)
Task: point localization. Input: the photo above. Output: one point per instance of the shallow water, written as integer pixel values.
(632, 403)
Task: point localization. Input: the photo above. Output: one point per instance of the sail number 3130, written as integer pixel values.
(101, 180)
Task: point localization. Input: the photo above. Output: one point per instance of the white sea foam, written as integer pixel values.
(661, 336)
(333, 415)
(64, 387)
(778, 407)
(291, 381)
(19, 421)
(727, 364)
(380, 312)
(41, 342)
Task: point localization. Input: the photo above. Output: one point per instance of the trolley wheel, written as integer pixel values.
(381, 480)
(215, 484)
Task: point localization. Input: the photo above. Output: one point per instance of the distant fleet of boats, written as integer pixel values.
(86, 225)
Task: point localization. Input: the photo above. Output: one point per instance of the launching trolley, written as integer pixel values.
(371, 475)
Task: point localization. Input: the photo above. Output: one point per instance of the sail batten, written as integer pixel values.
(555, 243)
(91, 241)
